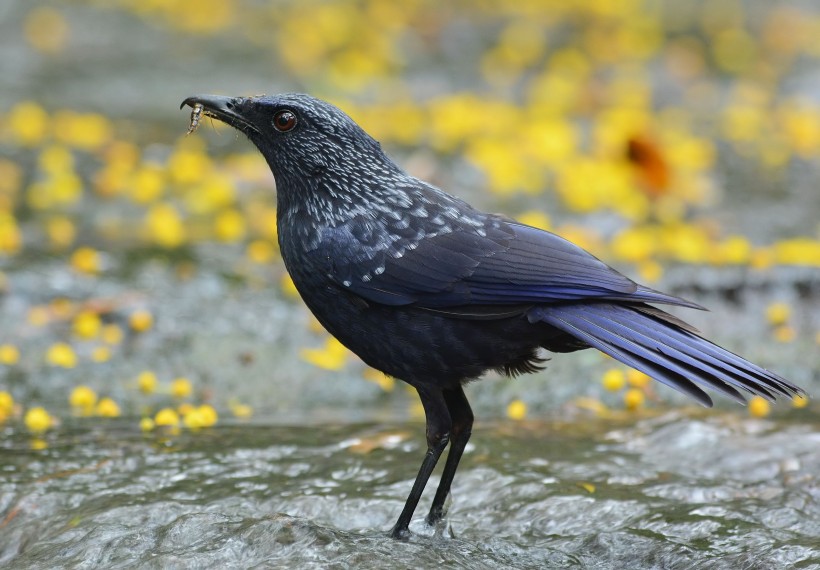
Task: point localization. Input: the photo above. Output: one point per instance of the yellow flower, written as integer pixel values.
(82, 397)
(801, 125)
(6, 403)
(688, 152)
(229, 226)
(108, 408)
(9, 354)
(262, 220)
(549, 141)
(536, 219)
(634, 244)
(260, 251)
(57, 191)
(147, 424)
(111, 334)
(11, 177)
(37, 420)
(520, 44)
(61, 231)
(86, 260)
(202, 416)
(288, 287)
(762, 258)
(784, 333)
(147, 382)
(778, 313)
(759, 407)
(650, 270)
(587, 184)
(614, 379)
(120, 161)
(87, 324)
(164, 226)
(167, 417)
(686, 243)
(402, 121)
(556, 91)
(215, 193)
(637, 379)
(634, 399)
(735, 50)
(193, 419)
(56, 160)
(46, 30)
(141, 321)
(506, 169)
(385, 382)
(799, 401)
(517, 410)
(147, 184)
(28, 123)
(101, 354)
(188, 164)
(332, 357)
(61, 354)
(209, 16)
(733, 250)
(243, 411)
(588, 487)
(87, 131)
(455, 119)
(181, 388)
(798, 251)
(11, 239)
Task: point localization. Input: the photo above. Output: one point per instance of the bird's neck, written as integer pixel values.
(309, 204)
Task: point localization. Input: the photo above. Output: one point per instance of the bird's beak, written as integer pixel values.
(226, 109)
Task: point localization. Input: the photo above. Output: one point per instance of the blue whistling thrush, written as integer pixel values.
(425, 288)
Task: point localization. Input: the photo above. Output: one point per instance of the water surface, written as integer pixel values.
(685, 489)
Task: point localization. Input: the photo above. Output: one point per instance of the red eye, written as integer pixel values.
(284, 121)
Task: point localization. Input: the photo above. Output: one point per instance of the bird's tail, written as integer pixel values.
(664, 347)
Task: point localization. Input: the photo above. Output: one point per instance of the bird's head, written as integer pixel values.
(304, 139)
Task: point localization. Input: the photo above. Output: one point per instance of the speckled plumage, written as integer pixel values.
(432, 291)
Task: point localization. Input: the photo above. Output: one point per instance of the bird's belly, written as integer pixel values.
(415, 345)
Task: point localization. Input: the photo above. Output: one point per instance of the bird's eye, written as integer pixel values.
(284, 121)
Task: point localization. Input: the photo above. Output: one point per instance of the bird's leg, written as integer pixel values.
(462, 420)
(438, 435)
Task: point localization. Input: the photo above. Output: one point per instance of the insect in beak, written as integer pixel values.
(196, 115)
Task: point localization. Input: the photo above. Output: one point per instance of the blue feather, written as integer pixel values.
(663, 349)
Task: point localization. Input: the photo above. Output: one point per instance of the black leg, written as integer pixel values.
(462, 418)
(438, 434)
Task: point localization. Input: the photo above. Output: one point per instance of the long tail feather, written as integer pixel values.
(666, 348)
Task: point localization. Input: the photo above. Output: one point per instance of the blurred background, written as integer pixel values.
(143, 299)
(677, 141)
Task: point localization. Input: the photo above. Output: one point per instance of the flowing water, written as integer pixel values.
(321, 472)
(686, 489)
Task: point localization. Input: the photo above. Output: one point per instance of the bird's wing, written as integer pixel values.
(496, 263)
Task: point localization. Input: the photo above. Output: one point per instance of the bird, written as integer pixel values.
(429, 290)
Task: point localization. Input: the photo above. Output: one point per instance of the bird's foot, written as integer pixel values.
(400, 533)
(435, 517)
(439, 525)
